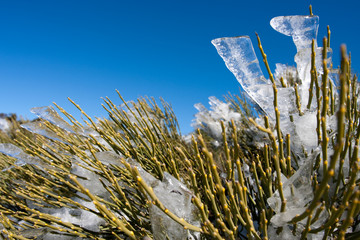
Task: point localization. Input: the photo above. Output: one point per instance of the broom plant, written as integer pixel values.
(240, 175)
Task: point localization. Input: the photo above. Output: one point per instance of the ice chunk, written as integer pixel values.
(149, 179)
(297, 191)
(306, 129)
(85, 219)
(4, 125)
(109, 157)
(39, 128)
(282, 218)
(177, 198)
(49, 114)
(303, 29)
(303, 63)
(60, 236)
(288, 73)
(89, 179)
(209, 121)
(239, 56)
(36, 233)
(22, 158)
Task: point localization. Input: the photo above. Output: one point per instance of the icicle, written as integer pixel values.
(239, 56)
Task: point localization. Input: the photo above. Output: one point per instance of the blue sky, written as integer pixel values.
(51, 50)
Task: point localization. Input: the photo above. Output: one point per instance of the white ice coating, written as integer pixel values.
(209, 121)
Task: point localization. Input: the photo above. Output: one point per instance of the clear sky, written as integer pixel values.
(51, 50)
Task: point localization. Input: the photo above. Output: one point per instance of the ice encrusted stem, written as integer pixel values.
(157, 202)
(325, 106)
(321, 189)
(276, 162)
(276, 109)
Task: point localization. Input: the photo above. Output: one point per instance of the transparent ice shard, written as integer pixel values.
(239, 56)
(39, 128)
(288, 73)
(303, 63)
(109, 157)
(176, 197)
(303, 29)
(49, 114)
(89, 178)
(22, 158)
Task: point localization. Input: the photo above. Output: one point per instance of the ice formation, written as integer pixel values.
(4, 125)
(39, 128)
(108, 158)
(22, 157)
(209, 121)
(240, 59)
(239, 56)
(49, 114)
(177, 198)
(303, 29)
(298, 121)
